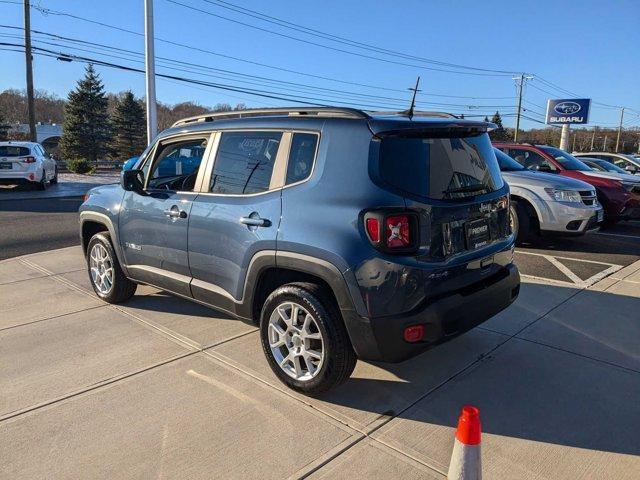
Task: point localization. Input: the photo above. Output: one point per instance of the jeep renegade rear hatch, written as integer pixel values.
(450, 179)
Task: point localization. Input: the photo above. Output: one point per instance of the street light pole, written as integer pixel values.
(150, 71)
(33, 136)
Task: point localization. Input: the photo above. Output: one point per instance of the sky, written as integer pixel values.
(586, 48)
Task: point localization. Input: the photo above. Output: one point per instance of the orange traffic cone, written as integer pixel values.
(465, 459)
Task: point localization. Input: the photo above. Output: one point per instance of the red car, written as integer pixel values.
(619, 198)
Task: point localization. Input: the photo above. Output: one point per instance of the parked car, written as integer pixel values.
(129, 164)
(629, 163)
(543, 203)
(605, 166)
(26, 163)
(342, 234)
(617, 197)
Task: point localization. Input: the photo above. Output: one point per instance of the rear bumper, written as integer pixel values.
(443, 318)
(15, 181)
(13, 177)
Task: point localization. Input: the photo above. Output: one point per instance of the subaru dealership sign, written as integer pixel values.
(568, 111)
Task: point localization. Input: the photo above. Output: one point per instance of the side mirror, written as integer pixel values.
(544, 168)
(132, 181)
(631, 168)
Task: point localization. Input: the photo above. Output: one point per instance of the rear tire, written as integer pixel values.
(107, 278)
(304, 338)
(42, 184)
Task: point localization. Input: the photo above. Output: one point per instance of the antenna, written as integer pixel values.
(415, 90)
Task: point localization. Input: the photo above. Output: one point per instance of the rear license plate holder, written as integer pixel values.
(477, 233)
(5, 166)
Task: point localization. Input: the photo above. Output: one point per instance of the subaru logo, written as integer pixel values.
(567, 108)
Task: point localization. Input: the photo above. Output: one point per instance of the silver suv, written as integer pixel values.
(548, 203)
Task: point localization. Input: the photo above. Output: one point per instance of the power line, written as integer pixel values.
(341, 50)
(170, 62)
(342, 40)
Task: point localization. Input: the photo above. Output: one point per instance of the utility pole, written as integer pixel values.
(593, 137)
(150, 71)
(604, 144)
(28, 62)
(520, 84)
(573, 149)
(415, 91)
(620, 128)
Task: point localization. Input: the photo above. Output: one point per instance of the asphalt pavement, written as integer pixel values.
(36, 221)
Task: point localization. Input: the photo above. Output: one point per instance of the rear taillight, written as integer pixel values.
(28, 160)
(414, 333)
(397, 231)
(392, 231)
(373, 229)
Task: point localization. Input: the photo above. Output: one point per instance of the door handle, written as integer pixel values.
(255, 221)
(175, 212)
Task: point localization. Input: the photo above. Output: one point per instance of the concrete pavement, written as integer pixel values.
(165, 388)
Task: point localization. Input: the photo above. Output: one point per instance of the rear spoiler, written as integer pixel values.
(428, 126)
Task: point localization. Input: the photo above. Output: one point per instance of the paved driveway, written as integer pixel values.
(160, 387)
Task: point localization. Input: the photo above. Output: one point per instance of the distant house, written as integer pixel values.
(48, 134)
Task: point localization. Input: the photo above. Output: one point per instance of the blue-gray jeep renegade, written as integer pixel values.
(344, 234)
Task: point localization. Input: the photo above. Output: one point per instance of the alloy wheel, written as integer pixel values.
(295, 341)
(101, 268)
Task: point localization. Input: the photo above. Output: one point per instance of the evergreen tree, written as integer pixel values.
(86, 131)
(499, 134)
(128, 127)
(486, 119)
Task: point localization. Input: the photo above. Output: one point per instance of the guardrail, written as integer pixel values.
(101, 166)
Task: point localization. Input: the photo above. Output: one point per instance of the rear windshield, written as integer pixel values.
(568, 162)
(13, 151)
(440, 168)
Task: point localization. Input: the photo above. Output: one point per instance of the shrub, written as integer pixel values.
(80, 165)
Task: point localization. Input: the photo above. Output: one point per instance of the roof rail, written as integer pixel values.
(417, 113)
(339, 112)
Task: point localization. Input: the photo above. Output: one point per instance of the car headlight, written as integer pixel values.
(564, 195)
(631, 186)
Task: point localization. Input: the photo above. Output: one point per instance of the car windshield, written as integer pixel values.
(440, 168)
(609, 167)
(506, 163)
(13, 151)
(568, 162)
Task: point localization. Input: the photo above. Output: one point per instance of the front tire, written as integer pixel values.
(107, 278)
(305, 340)
(520, 223)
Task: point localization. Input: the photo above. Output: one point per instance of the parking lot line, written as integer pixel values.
(576, 281)
(617, 235)
(566, 258)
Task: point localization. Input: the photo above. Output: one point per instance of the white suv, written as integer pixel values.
(26, 163)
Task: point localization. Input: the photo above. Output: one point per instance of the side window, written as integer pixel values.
(301, 156)
(617, 161)
(531, 160)
(176, 165)
(244, 162)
